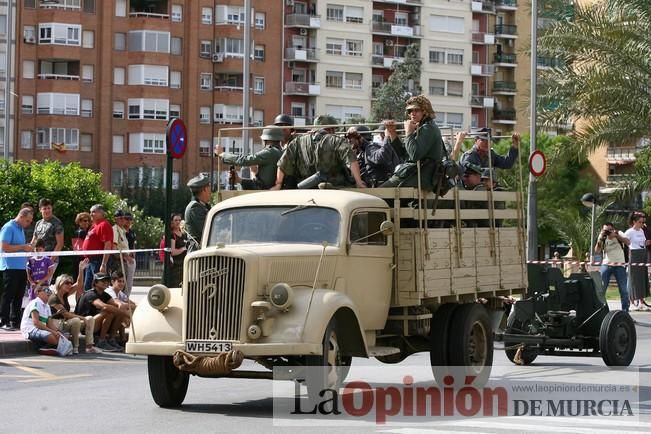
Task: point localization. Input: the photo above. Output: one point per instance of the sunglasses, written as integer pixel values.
(413, 110)
(67, 282)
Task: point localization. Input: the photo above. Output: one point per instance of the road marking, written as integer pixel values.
(39, 374)
(50, 359)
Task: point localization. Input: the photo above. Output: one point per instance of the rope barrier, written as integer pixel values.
(77, 253)
(591, 263)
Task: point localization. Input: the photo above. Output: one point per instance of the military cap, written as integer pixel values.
(118, 213)
(472, 168)
(273, 134)
(483, 134)
(488, 173)
(98, 277)
(325, 120)
(198, 181)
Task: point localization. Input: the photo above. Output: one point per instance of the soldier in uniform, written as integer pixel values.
(283, 120)
(266, 159)
(377, 161)
(423, 144)
(478, 154)
(320, 156)
(471, 178)
(197, 209)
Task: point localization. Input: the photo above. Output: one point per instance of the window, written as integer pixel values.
(344, 47)
(86, 142)
(258, 52)
(259, 20)
(204, 148)
(228, 113)
(120, 41)
(117, 178)
(378, 16)
(447, 56)
(27, 104)
(177, 46)
(354, 14)
(3, 24)
(353, 80)
(347, 114)
(148, 108)
(344, 80)
(26, 140)
(436, 87)
(66, 104)
(29, 34)
(89, 6)
(175, 79)
(148, 40)
(258, 85)
(206, 15)
(86, 108)
(205, 49)
(59, 34)
(335, 13)
(118, 110)
(204, 115)
(205, 81)
(88, 39)
(148, 75)
(118, 144)
(28, 69)
(87, 73)
(455, 88)
(120, 8)
(175, 111)
(230, 47)
(229, 15)
(177, 13)
(335, 79)
(449, 119)
(30, 3)
(365, 224)
(118, 75)
(446, 88)
(68, 136)
(146, 143)
(442, 23)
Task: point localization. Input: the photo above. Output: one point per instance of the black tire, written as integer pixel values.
(470, 345)
(439, 332)
(617, 339)
(167, 384)
(517, 327)
(335, 366)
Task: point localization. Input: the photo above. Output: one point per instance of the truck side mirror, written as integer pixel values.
(386, 227)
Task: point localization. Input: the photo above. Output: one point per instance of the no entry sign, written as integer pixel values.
(176, 138)
(537, 163)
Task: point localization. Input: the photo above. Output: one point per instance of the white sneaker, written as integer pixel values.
(93, 350)
(75, 351)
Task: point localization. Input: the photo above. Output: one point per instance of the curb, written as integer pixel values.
(17, 348)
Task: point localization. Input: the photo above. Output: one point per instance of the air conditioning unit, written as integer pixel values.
(388, 42)
(289, 2)
(30, 40)
(290, 65)
(218, 58)
(303, 32)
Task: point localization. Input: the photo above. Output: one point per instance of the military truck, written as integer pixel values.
(317, 277)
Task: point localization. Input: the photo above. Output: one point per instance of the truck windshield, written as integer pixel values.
(274, 224)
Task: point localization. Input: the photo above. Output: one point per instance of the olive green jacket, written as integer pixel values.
(195, 218)
(266, 160)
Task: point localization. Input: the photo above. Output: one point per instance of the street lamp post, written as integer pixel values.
(590, 201)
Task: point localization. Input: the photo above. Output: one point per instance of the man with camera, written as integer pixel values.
(612, 243)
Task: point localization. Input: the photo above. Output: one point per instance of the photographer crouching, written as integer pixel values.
(613, 244)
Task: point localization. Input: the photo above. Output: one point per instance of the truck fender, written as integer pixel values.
(152, 325)
(330, 305)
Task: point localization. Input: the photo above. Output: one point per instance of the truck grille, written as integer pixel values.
(215, 298)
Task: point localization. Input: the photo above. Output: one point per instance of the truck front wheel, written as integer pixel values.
(167, 384)
(329, 370)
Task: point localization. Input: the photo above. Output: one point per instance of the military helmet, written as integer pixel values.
(283, 120)
(325, 120)
(273, 134)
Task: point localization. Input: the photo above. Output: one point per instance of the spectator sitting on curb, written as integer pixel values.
(40, 268)
(108, 316)
(64, 318)
(116, 290)
(37, 324)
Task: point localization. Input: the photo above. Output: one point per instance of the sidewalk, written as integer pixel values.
(13, 344)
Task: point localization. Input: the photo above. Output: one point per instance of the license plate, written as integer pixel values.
(208, 346)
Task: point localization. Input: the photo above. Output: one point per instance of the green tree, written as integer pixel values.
(604, 75)
(403, 83)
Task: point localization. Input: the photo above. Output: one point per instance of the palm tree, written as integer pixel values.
(604, 74)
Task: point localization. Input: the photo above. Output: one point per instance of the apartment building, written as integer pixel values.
(99, 80)
(7, 68)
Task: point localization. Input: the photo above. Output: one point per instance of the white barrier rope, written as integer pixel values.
(78, 253)
(593, 263)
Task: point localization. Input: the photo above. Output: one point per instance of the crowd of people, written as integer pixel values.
(100, 290)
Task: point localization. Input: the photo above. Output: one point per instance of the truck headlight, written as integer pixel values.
(159, 297)
(281, 296)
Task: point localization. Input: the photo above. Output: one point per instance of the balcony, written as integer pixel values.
(229, 82)
(397, 30)
(301, 54)
(53, 69)
(505, 59)
(482, 70)
(303, 20)
(482, 101)
(149, 9)
(385, 61)
(483, 7)
(507, 31)
(504, 88)
(401, 2)
(60, 4)
(506, 5)
(620, 178)
(549, 62)
(483, 38)
(621, 155)
(504, 116)
(302, 88)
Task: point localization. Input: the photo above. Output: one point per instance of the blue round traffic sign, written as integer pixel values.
(177, 135)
